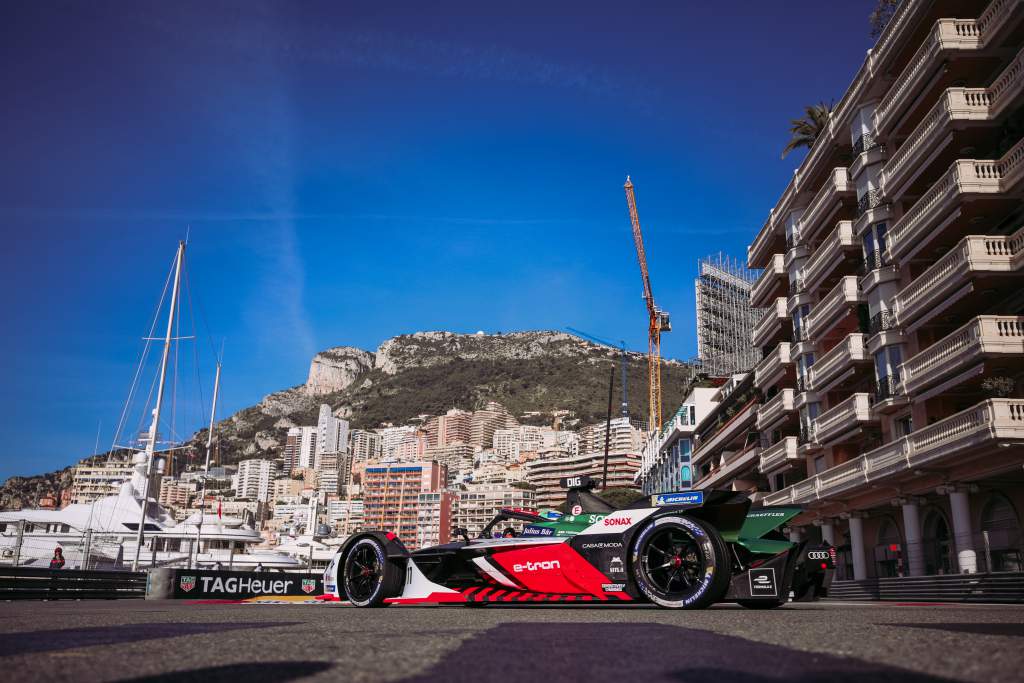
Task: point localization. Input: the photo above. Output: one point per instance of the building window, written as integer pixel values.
(889, 550)
(819, 464)
(1001, 535)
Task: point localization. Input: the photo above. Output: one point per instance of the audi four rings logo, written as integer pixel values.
(818, 555)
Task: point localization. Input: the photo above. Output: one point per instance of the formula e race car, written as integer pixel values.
(686, 550)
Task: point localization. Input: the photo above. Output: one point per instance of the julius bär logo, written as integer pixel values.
(308, 585)
(188, 583)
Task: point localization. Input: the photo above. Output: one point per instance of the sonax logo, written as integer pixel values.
(618, 521)
(536, 566)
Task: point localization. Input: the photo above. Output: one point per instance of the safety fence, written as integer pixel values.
(1002, 588)
(26, 583)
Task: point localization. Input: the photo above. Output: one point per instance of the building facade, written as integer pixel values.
(391, 495)
(725, 317)
(893, 278)
(479, 503)
(255, 479)
(96, 478)
(666, 459)
(492, 417)
(364, 445)
(545, 474)
(299, 449)
(435, 516)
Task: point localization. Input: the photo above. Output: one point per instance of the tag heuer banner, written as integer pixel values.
(193, 583)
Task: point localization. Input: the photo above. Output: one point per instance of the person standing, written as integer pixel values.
(58, 559)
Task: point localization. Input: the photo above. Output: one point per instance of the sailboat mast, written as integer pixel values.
(206, 468)
(151, 444)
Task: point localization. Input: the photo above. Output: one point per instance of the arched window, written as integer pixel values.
(889, 549)
(937, 546)
(1001, 535)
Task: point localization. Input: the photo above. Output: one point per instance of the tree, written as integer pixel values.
(880, 16)
(805, 130)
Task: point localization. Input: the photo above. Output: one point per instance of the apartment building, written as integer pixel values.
(456, 458)
(412, 447)
(510, 442)
(546, 473)
(391, 495)
(332, 432)
(364, 445)
(255, 479)
(666, 459)
(177, 494)
(484, 422)
(478, 503)
(625, 436)
(435, 517)
(101, 476)
(893, 275)
(390, 437)
(299, 449)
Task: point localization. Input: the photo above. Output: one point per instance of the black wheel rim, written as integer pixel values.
(362, 573)
(673, 562)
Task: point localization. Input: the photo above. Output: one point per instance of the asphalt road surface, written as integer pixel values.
(171, 641)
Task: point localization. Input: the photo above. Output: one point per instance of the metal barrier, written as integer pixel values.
(25, 583)
(1003, 587)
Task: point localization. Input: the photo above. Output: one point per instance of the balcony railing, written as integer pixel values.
(888, 387)
(779, 455)
(773, 317)
(771, 366)
(824, 260)
(964, 177)
(992, 421)
(973, 254)
(947, 34)
(865, 143)
(882, 321)
(767, 282)
(986, 335)
(872, 199)
(735, 427)
(760, 250)
(772, 411)
(846, 416)
(837, 186)
(955, 104)
(840, 358)
(840, 299)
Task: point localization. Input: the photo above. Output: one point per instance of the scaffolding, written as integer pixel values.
(725, 318)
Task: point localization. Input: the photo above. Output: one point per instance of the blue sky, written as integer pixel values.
(349, 172)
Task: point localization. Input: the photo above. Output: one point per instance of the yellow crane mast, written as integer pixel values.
(658, 320)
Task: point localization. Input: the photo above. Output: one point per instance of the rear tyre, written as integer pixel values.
(681, 563)
(368, 577)
(760, 604)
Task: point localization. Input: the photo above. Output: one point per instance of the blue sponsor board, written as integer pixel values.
(687, 498)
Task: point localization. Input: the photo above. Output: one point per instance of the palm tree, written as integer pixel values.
(804, 131)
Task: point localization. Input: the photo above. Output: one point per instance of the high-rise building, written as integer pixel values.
(510, 442)
(100, 476)
(545, 474)
(364, 445)
(479, 503)
(455, 426)
(346, 515)
(255, 479)
(390, 437)
(332, 432)
(391, 495)
(559, 442)
(625, 437)
(491, 417)
(333, 472)
(893, 277)
(435, 516)
(725, 317)
(299, 449)
(282, 488)
(411, 447)
(175, 493)
(457, 458)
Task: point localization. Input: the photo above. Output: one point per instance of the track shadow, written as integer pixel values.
(252, 672)
(645, 652)
(32, 642)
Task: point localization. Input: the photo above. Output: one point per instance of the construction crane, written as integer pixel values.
(658, 320)
(622, 362)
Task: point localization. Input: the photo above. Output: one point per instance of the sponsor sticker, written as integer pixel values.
(601, 545)
(188, 583)
(688, 498)
(819, 555)
(308, 585)
(762, 583)
(538, 531)
(613, 587)
(577, 509)
(542, 565)
(618, 521)
(616, 566)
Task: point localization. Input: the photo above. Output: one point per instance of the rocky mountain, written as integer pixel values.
(430, 372)
(424, 373)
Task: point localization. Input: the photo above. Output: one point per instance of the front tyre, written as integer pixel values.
(681, 563)
(367, 575)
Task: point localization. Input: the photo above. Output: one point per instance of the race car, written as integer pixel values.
(684, 550)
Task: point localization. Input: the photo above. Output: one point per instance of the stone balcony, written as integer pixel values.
(732, 431)
(738, 464)
(840, 300)
(770, 325)
(836, 189)
(971, 433)
(776, 410)
(967, 180)
(771, 283)
(773, 367)
(956, 109)
(975, 259)
(770, 239)
(839, 363)
(830, 255)
(779, 456)
(964, 350)
(946, 36)
(844, 420)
